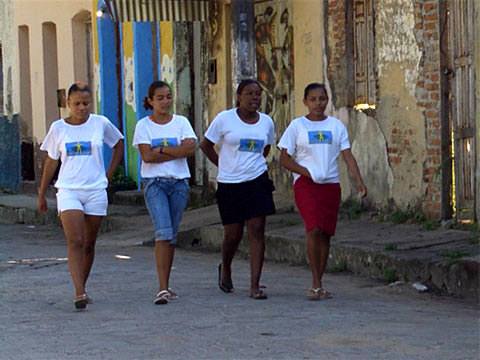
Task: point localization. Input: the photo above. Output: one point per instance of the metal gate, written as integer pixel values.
(461, 38)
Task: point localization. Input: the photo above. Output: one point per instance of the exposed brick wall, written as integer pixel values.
(427, 33)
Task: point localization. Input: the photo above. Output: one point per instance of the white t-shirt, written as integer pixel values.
(170, 134)
(316, 146)
(80, 149)
(241, 153)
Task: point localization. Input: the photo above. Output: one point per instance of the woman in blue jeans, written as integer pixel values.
(164, 142)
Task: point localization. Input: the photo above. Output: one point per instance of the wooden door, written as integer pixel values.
(461, 30)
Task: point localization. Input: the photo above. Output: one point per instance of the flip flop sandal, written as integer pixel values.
(318, 294)
(162, 298)
(89, 299)
(225, 286)
(172, 295)
(257, 295)
(81, 302)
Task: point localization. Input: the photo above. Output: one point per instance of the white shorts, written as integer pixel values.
(91, 202)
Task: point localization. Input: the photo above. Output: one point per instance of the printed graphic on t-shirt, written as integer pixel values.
(164, 142)
(320, 137)
(79, 148)
(251, 145)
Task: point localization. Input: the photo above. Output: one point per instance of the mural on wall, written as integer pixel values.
(130, 111)
(274, 48)
(166, 54)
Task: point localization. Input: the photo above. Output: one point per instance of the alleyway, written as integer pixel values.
(364, 320)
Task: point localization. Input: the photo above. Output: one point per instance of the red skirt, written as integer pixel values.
(317, 204)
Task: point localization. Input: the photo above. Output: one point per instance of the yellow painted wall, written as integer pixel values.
(219, 52)
(166, 52)
(220, 93)
(308, 39)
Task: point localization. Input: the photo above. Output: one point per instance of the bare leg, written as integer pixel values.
(91, 227)
(172, 250)
(318, 247)
(232, 236)
(256, 247)
(164, 258)
(73, 225)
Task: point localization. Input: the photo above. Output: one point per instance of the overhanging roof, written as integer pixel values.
(158, 10)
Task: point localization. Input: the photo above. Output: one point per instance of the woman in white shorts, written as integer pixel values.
(77, 141)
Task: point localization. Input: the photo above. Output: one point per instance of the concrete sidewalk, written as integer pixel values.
(446, 261)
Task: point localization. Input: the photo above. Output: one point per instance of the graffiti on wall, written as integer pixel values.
(274, 47)
(274, 51)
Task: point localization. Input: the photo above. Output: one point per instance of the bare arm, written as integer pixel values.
(266, 151)
(153, 155)
(288, 163)
(49, 168)
(208, 149)
(116, 158)
(355, 171)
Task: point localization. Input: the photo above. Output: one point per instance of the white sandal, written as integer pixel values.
(318, 293)
(172, 295)
(162, 297)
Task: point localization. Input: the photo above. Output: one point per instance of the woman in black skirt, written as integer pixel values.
(244, 191)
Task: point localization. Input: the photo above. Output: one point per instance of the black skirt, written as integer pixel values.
(238, 202)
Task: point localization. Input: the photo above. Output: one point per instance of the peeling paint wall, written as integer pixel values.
(397, 146)
(9, 119)
(8, 38)
(477, 102)
(396, 42)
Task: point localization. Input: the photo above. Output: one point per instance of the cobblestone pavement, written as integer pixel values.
(364, 320)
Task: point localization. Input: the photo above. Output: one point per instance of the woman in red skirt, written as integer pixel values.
(310, 147)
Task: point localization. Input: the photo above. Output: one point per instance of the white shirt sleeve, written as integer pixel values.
(271, 132)
(141, 135)
(50, 144)
(111, 135)
(187, 130)
(214, 132)
(344, 142)
(289, 139)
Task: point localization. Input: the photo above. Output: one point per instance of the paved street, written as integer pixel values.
(364, 320)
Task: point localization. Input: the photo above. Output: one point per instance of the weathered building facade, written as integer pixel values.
(399, 76)
(408, 59)
(402, 75)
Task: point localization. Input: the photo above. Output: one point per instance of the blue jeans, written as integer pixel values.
(166, 199)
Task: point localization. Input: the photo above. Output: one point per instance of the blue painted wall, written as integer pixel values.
(142, 55)
(109, 102)
(10, 157)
